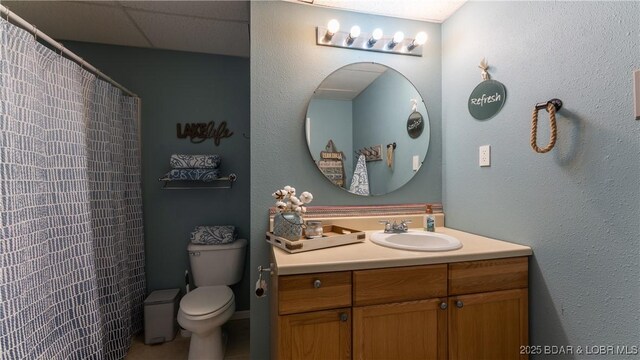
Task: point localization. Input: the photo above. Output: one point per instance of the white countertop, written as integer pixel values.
(367, 255)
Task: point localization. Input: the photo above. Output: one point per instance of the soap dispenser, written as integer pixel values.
(429, 220)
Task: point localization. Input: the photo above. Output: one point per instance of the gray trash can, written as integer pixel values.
(160, 316)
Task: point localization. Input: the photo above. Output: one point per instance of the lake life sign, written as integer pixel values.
(487, 99)
(199, 132)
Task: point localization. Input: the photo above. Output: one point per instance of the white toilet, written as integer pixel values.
(204, 310)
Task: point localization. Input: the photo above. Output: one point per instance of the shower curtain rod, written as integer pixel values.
(39, 34)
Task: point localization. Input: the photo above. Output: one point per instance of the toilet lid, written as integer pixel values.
(206, 299)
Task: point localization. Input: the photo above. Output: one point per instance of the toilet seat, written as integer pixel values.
(207, 301)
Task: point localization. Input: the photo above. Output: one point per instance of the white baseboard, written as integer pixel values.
(238, 315)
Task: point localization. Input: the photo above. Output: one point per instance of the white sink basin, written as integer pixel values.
(416, 240)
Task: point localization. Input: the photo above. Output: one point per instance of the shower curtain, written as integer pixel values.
(71, 243)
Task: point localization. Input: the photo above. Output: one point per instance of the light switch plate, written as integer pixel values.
(416, 162)
(485, 155)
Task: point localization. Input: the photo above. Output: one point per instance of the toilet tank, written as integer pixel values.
(217, 264)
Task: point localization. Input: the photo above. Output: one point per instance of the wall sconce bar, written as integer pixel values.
(341, 39)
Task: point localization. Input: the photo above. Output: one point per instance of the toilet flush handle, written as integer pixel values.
(194, 253)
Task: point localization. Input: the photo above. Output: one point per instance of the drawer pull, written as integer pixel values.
(443, 305)
(459, 304)
(317, 284)
(344, 317)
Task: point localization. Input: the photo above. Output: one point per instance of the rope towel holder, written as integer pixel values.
(552, 107)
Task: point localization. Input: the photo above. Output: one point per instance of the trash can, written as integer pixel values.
(160, 312)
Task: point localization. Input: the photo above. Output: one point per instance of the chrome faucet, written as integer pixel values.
(395, 227)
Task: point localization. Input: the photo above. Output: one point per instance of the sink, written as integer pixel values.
(416, 240)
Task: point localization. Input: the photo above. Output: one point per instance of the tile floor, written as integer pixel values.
(178, 349)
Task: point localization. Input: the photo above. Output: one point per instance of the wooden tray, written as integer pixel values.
(332, 235)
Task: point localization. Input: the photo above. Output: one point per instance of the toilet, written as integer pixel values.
(204, 310)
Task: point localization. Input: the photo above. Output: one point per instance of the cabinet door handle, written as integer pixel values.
(344, 317)
(443, 305)
(317, 283)
(459, 304)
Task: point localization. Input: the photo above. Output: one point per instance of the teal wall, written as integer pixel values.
(286, 67)
(578, 206)
(178, 87)
(380, 116)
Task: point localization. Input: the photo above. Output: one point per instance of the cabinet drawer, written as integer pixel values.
(400, 284)
(310, 292)
(488, 275)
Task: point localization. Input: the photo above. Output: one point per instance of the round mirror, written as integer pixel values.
(367, 129)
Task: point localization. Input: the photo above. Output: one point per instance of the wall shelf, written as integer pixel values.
(220, 183)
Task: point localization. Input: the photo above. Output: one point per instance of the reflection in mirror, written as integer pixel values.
(415, 124)
(366, 125)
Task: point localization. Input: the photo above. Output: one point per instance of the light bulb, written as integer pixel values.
(398, 37)
(355, 31)
(377, 34)
(333, 26)
(353, 34)
(421, 38)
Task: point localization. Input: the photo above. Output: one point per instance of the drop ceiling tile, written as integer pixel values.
(80, 21)
(193, 34)
(423, 10)
(221, 10)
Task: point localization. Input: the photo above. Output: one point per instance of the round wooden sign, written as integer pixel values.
(487, 99)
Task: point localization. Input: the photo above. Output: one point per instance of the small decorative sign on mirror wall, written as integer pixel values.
(487, 99)
(199, 132)
(415, 125)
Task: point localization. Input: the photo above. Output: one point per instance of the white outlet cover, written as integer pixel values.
(485, 155)
(416, 162)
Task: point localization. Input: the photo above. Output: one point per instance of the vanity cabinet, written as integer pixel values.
(407, 330)
(488, 309)
(463, 310)
(311, 316)
(489, 325)
(316, 335)
(397, 313)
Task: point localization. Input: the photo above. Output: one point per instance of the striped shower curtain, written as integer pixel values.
(71, 243)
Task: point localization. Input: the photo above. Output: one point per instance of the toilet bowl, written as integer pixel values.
(203, 312)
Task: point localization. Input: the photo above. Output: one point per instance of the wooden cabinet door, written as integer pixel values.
(403, 331)
(317, 335)
(489, 325)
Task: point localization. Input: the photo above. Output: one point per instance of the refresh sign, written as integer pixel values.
(487, 99)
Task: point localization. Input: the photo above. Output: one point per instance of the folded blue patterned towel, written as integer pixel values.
(192, 174)
(184, 161)
(213, 235)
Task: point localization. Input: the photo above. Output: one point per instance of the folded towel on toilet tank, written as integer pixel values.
(185, 161)
(213, 235)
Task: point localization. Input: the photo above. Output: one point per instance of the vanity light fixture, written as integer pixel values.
(353, 34)
(375, 41)
(421, 39)
(397, 38)
(332, 28)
